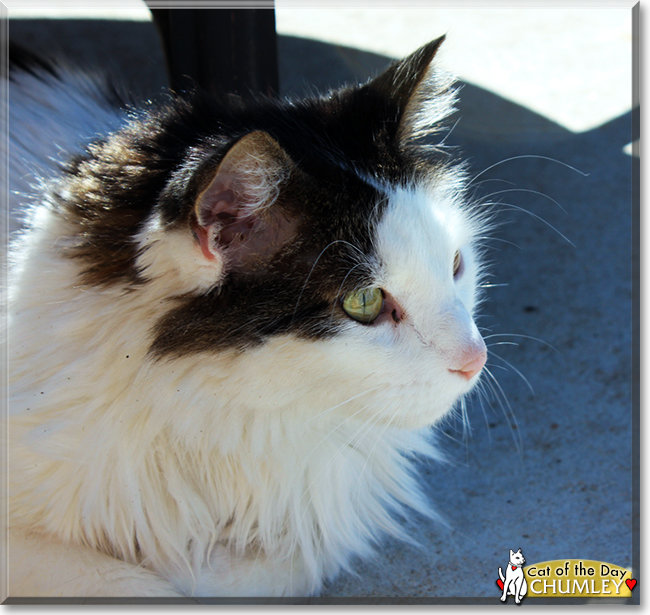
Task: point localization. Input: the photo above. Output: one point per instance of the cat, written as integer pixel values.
(514, 581)
(232, 325)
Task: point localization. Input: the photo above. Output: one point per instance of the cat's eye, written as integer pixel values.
(457, 262)
(364, 305)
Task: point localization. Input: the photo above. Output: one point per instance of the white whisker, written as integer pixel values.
(507, 410)
(514, 369)
(329, 245)
(347, 275)
(496, 164)
(528, 337)
(527, 190)
(530, 213)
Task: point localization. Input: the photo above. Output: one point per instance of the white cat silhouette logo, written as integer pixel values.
(514, 581)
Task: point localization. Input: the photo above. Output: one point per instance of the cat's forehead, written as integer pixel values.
(421, 223)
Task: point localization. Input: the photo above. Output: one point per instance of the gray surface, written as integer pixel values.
(558, 482)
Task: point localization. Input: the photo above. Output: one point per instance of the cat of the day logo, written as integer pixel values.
(570, 578)
(513, 582)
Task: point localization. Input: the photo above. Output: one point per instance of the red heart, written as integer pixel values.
(500, 584)
(514, 567)
(631, 583)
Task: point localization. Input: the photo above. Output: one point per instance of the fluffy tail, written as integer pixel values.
(501, 575)
(54, 112)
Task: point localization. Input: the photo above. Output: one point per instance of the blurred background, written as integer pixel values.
(545, 119)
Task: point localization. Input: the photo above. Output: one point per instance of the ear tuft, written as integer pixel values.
(422, 94)
(232, 214)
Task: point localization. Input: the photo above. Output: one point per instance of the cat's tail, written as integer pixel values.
(501, 575)
(54, 112)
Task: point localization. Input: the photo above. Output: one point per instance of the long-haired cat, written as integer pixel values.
(231, 326)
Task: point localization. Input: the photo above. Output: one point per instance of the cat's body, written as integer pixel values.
(514, 579)
(230, 330)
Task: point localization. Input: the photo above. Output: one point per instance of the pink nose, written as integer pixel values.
(472, 368)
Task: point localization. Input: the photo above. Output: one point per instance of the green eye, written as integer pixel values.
(364, 305)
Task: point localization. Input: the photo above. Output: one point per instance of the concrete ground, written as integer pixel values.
(546, 122)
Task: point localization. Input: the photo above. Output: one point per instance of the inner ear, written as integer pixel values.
(233, 217)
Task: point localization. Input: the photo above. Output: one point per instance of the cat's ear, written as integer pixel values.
(421, 94)
(233, 219)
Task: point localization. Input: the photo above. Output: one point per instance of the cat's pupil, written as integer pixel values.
(457, 263)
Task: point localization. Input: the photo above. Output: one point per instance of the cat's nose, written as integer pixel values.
(473, 367)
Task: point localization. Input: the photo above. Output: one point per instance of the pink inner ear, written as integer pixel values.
(222, 220)
(233, 218)
(215, 203)
(234, 229)
(203, 237)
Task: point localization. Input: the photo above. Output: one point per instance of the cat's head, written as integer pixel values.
(317, 254)
(517, 558)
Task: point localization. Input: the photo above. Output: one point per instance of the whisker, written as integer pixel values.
(497, 366)
(329, 245)
(490, 239)
(496, 164)
(341, 287)
(530, 213)
(449, 132)
(483, 396)
(467, 430)
(514, 369)
(528, 337)
(507, 408)
(537, 192)
(320, 414)
(448, 435)
(460, 413)
(494, 179)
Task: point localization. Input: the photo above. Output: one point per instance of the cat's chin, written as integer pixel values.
(423, 410)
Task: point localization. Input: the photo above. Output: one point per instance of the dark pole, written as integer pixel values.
(223, 51)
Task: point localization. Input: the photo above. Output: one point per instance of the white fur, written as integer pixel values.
(254, 473)
(177, 254)
(433, 102)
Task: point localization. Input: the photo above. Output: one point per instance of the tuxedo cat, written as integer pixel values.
(231, 327)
